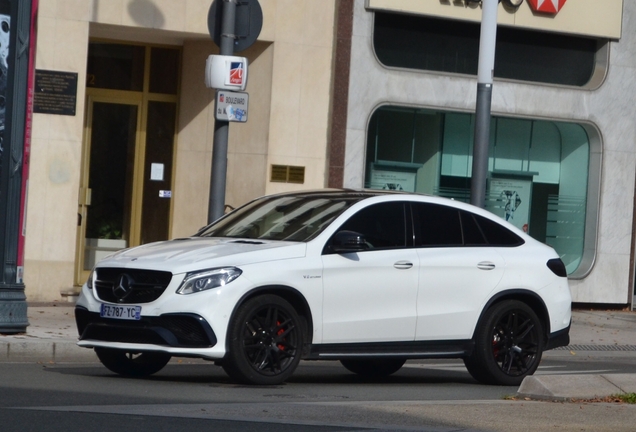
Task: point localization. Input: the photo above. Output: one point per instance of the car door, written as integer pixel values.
(370, 295)
(458, 272)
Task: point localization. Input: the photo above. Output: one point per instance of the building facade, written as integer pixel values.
(343, 93)
(132, 163)
(562, 153)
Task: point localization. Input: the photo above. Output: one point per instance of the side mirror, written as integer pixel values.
(348, 241)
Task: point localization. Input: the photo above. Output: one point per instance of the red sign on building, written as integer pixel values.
(547, 6)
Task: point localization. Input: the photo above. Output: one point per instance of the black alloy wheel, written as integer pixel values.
(265, 340)
(132, 364)
(508, 344)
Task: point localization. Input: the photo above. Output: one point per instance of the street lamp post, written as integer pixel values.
(16, 21)
(218, 176)
(485, 72)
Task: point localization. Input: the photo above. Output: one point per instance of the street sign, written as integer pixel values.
(231, 106)
(248, 23)
(224, 72)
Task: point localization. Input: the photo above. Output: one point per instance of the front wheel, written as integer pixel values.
(508, 344)
(375, 368)
(132, 364)
(265, 340)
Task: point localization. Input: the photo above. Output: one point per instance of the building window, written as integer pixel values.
(539, 170)
(449, 46)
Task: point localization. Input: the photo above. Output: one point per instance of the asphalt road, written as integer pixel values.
(321, 396)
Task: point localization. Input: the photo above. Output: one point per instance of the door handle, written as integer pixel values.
(403, 265)
(486, 265)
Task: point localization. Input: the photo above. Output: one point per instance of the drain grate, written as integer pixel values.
(598, 348)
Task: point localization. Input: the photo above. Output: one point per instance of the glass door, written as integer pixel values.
(106, 208)
(126, 182)
(157, 179)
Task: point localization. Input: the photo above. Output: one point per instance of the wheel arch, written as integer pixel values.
(530, 298)
(292, 295)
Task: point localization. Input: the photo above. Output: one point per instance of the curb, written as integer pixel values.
(567, 387)
(37, 351)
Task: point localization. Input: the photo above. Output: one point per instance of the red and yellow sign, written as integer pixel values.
(547, 6)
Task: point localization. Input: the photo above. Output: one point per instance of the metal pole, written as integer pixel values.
(221, 128)
(487, 43)
(13, 306)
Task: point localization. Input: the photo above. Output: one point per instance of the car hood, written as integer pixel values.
(196, 253)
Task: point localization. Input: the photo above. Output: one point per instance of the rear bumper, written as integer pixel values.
(558, 338)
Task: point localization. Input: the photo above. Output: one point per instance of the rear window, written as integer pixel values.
(441, 226)
(497, 235)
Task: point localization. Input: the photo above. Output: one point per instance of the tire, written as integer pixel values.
(508, 344)
(132, 364)
(265, 340)
(374, 368)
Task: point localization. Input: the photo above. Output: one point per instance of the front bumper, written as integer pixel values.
(176, 330)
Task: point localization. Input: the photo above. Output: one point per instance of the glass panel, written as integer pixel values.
(164, 70)
(410, 142)
(472, 233)
(382, 225)
(113, 133)
(395, 135)
(293, 218)
(116, 67)
(160, 130)
(542, 164)
(496, 235)
(437, 225)
(426, 43)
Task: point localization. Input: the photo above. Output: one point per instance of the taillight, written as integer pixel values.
(557, 267)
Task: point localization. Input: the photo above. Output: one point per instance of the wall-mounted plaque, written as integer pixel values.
(55, 92)
(288, 174)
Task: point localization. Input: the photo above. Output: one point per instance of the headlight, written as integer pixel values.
(208, 279)
(89, 281)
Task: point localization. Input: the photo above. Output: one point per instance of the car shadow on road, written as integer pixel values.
(316, 373)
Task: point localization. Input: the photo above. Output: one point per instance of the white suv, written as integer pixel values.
(369, 278)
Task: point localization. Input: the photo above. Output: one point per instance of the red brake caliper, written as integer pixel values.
(280, 332)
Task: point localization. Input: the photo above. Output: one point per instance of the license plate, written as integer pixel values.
(120, 312)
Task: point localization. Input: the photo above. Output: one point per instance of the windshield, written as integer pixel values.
(291, 218)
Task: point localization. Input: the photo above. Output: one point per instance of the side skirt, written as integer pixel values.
(406, 350)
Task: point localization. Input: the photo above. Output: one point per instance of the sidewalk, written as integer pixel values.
(51, 338)
(595, 334)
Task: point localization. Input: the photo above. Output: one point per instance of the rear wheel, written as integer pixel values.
(508, 344)
(265, 341)
(374, 368)
(132, 364)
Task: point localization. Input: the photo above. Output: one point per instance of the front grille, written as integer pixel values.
(175, 330)
(130, 286)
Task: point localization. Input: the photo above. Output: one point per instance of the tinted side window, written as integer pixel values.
(497, 235)
(383, 225)
(436, 225)
(472, 233)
